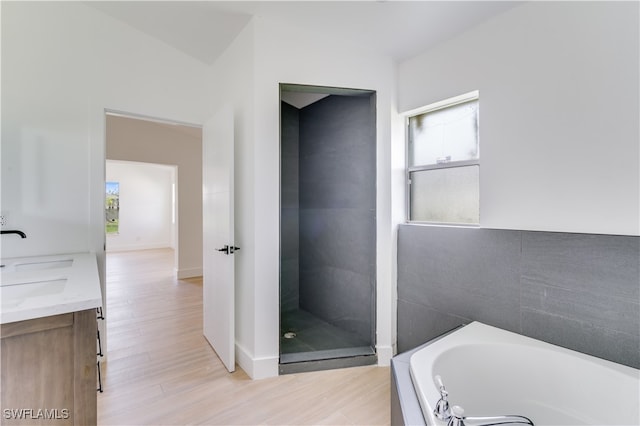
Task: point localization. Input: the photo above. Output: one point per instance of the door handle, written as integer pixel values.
(228, 250)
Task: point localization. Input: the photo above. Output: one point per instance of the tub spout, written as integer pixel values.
(510, 420)
(458, 419)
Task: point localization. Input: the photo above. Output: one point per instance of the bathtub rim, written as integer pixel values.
(405, 407)
(479, 333)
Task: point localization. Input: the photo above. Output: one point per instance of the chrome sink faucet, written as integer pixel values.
(14, 231)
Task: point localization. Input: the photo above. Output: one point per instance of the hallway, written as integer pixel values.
(161, 370)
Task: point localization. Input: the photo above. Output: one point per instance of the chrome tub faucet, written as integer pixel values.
(458, 419)
(455, 415)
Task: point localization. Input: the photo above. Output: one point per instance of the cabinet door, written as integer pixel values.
(37, 371)
(49, 370)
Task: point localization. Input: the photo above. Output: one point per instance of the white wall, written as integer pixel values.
(247, 77)
(63, 63)
(292, 55)
(559, 112)
(45, 171)
(146, 205)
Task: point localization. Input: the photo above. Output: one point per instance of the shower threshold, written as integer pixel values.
(326, 354)
(303, 362)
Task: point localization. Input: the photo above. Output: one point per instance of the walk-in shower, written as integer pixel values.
(327, 227)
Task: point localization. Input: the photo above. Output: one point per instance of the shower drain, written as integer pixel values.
(289, 335)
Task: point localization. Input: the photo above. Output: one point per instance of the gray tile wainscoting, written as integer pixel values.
(580, 291)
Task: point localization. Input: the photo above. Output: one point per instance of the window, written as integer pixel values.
(443, 164)
(112, 207)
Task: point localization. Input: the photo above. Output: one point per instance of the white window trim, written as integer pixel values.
(471, 96)
(445, 103)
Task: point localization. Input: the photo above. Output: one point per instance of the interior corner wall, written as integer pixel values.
(130, 139)
(145, 205)
(559, 107)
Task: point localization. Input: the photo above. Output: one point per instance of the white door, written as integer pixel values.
(218, 239)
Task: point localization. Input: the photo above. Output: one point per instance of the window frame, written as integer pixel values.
(443, 104)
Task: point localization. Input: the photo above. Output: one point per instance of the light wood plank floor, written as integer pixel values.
(161, 370)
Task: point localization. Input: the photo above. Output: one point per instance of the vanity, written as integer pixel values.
(48, 340)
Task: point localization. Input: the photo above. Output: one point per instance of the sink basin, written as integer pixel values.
(13, 295)
(33, 265)
(39, 266)
(28, 280)
(40, 286)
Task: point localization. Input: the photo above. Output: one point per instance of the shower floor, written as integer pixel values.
(316, 339)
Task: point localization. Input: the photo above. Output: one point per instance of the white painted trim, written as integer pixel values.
(385, 353)
(244, 360)
(188, 273)
(136, 247)
(256, 368)
(126, 114)
(465, 97)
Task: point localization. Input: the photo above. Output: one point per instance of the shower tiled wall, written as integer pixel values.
(289, 208)
(580, 291)
(337, 212)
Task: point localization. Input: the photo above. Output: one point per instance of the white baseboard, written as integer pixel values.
(114, 248)
(262, 368)
(188, 273)
(256, 368)
(385, 353)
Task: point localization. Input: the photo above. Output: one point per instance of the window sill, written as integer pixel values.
(444, 225)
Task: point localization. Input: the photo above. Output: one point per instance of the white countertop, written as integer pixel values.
(41, 286)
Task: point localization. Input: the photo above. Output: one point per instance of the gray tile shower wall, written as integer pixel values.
(289, 210)
(580, 291)
(337, 212)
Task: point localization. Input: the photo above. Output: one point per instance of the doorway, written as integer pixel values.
(146, 140)
(327, 227)
(140, 206)
(177, 146)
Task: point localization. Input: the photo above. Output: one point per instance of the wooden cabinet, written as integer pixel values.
(48, 368)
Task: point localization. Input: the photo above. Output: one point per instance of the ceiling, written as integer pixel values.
(301, 100)
(400, 29)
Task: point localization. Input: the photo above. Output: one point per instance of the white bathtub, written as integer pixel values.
(488, 372)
